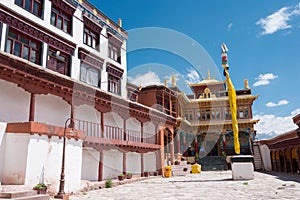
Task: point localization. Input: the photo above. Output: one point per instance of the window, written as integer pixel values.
(227, 113)
(90, 75)
(114, 52)
(198, 115)
(33, 6)
(243, 112)
(61, 19)
(23, 46)
(114, 84)
(186, 115)
(58, 61)
(91, 38)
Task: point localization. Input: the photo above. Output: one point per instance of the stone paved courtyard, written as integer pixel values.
(207, 185)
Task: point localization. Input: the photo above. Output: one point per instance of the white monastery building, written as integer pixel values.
(63, 70)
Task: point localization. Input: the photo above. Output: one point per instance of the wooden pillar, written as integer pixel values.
(291, 161)
(178, 142)
(102, 125)
(73, 114)
(280, 167)
(172, 148)
(184, 145)
(142, 164)
(32, 107)
(124, 163)
(142, 132)
(156, 134)
(161, 153)
(124, 129)
(100, 167)
(285, 162)
(196, 145)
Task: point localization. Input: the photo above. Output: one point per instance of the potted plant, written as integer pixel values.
(128, 175)
(146, 173)
(121, 177)
(177, 162)
(155, 173)
(41, 188)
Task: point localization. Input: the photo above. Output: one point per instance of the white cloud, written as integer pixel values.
(192, 76)
(271, 125)
(280, 103)
(229, 27)
(278, 20)
(149, 78)
(264, 79)
(295, 112)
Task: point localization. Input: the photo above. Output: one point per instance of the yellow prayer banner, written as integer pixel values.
(232, 103)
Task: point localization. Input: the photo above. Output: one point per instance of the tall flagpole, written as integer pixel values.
(232, 99)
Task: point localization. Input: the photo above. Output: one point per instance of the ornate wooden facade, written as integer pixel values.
(285, 150)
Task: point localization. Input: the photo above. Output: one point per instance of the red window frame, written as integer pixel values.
(58, 61)
(32, 6)
(23, 46)
(114, 84)
(60, 19)
(114, 52)
(90, 38)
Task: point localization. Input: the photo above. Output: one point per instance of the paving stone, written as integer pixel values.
(207, 185)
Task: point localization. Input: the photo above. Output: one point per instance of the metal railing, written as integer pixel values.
(92, 129)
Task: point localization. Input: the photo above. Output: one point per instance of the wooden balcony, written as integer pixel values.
(108, 137)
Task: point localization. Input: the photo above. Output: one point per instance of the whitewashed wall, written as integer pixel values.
(90, 164)
(15, 103)
(51, 110)
(265, 154)
(87, 113)
(133, 124)
(47, 153)
(112, 163)
(15, 158)
(133, 163)
(150, 161)
(113, 119)
(149, 130)
(2, 146)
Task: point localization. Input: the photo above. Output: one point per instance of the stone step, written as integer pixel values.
(213, 168)
(35, 197)
(17, 194)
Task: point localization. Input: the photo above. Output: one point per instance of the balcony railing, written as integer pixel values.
(92, 129)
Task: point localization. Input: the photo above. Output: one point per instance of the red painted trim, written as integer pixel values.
(42, 129)
(32, 107)
(13, 19)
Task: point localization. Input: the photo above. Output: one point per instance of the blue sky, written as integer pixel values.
(263, 38)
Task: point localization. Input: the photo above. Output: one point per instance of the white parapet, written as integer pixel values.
(242, 168)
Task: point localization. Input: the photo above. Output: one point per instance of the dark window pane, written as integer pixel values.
(19, 2)
(36, 8)
(84, 38)
(27, 4)
(25, 53)
(24, 40)
(59, 22)
(33, 44)
(17, 49)
(66, 25)
(8, 46)
(12, 35)
(53, 18)
(33, 57)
